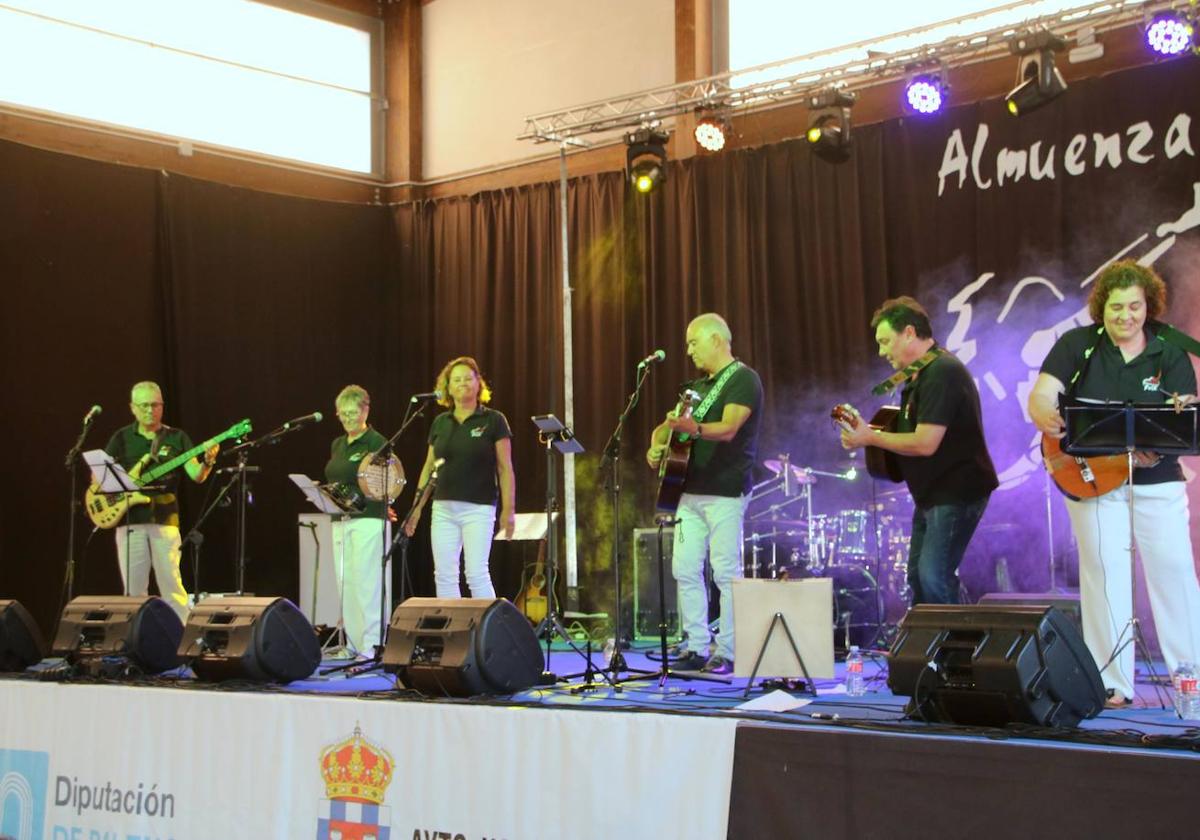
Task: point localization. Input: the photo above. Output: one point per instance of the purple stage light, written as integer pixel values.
(1169, 34)
(924, 96)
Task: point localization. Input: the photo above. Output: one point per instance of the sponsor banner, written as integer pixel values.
(90, 762)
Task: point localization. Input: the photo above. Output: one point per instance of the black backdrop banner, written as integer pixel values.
(250, 305)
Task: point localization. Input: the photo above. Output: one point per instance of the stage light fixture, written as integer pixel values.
(646, 159)
(926, 90)
(1038, 80)
(829, 125)
(710, 133)
(1170, 33)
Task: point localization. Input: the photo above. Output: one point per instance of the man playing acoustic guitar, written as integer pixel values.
(150, 533)
(724, 428)
(938, 437)
(1119, 357)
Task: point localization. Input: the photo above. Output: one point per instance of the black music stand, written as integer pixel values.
(552, 435)
(1111, 428)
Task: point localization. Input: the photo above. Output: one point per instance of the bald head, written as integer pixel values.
(708, 342)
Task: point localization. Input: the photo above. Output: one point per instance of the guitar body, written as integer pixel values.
(106, 510)
(531, 600)
(672, 472)
(1083, 478)
(880, 463)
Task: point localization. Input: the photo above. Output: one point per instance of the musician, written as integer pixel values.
(358, 540)
(724, 427)
(149, 535)
(1119, 358)
(939, 440)
(475, 444)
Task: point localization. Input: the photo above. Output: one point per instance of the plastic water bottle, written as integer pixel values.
(610, 645)
(854, 673)
(1187, 693)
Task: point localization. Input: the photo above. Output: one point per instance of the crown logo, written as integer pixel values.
(357, 770)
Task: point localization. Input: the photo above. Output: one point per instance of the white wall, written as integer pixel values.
(487, 64)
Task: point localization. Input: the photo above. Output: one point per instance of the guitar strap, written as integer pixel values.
(892, 382)
(1087, 360)
(701, 411)
(1171, 335)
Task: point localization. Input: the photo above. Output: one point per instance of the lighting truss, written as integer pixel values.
(609, 115)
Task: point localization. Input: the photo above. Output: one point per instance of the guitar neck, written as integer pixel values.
(181, 459)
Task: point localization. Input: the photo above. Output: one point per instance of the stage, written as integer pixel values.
(174, 758)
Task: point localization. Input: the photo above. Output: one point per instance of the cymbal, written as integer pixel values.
(801, 476)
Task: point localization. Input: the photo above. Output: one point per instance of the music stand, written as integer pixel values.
(111, 479)
(1093, 427)
(335, 647)
(553, 435)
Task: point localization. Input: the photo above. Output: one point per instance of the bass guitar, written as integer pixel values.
(106, 510)
(672, 471)
(1083, 478)
(881, 463)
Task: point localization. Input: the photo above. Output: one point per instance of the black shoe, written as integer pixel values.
(718, 665)
(689, 661)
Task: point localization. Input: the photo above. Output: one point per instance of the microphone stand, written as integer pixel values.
(612, 457)
(72, 465)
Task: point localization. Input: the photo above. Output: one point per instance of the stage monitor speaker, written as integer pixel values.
(142, 629)
(243, 638)
(462, 647)
(991, 666)
(21, 642)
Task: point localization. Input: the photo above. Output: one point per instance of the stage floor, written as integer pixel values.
(683, 759)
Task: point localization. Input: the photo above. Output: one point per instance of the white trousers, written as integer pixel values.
(1164, 543)
(707, 526)
(462, 528)
(141, 546)
(357, 550)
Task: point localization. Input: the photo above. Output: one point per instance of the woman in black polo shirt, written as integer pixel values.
(476, 445)
(1120, 358)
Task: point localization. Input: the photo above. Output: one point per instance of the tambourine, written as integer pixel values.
(371, 477)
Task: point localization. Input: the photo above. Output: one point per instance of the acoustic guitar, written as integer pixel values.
(106, 510)
(672, 471)
(531, 600)
(881, 463)
(1083, 478)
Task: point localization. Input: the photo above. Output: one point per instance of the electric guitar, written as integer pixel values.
(1083, 478)
(672, 471)
(881, 463)
(106, 510)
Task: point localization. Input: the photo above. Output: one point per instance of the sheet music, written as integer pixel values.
(313, 492)
(110, 476)
(530, 526)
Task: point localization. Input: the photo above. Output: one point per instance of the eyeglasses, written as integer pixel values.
(145, 405)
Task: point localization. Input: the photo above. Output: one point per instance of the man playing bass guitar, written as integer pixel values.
(939, 440)
(150, 533)
(723, 429)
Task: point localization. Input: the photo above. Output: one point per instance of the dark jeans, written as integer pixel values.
(940, 534)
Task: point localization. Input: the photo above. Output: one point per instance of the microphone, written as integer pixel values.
(91, 415)
(432, 395)
(654, 358)
(315, 417)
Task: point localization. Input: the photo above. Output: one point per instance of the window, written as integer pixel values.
(765, 31)
(296, 80)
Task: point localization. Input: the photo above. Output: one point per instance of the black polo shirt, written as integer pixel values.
(1110, 377)
(127, 447)
(725, 468)
(469, 447)
(961, 470)
(344, 459)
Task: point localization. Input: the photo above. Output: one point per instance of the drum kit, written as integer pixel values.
(863, 549)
